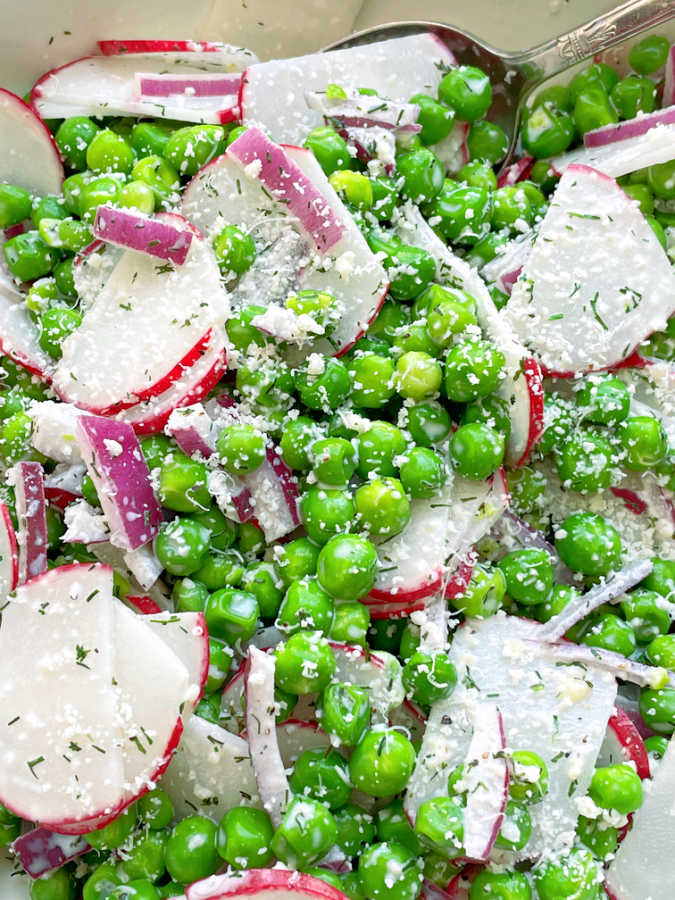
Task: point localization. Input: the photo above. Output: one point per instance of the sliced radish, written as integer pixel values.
(84, 524)
(608, 661)
(187, 635)
(144, 565)
(64, 484)
(417, 562)
(207, 84)
(140, 354)
(40, 851)
(377, 672)
(521, 386)
(487, 782)
(135, 231)
(54, 430)
(28, 154)
(411, 718)
(261, 729)
(117, 467)
(19, 336)
(374, 143)
(614, 160)
(358, 110)
(31, 512)
(143, 604)
(151, 416)
(453, 151)
(570, 306)
(108, 85)
(221, 192)
(668, 97)
(66, 710)
(211, 55)
(517, 171)
(559, 712)
(605, 592)
(623, 743)
(507, 265)
(92, 268)
(193, 430)
(264, 884)
(210, 772)
(652, 389)
(395, 68)
(231, 494)
(9, 554)
(112, 556)
(621, 131)
(643, 866)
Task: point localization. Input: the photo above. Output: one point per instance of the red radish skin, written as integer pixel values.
(188, 636)
(135, 231)
(517, 171)
(142, 604)
(487, 775)
(31, 511)
(118, 469)
(206, 85)
(9, 552)
(40, 851)
(668, 98)
(59, 497)
(264, 884)
(621, 131)
(631, 500)
(631, 742)
(29, 157)
(268, 162)
(455, 587)
(118, 48)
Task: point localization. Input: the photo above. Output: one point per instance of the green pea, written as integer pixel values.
(251, 540)
(73, 137)
(428, 423)
(661, 179)
(375, 865)
(656, 748)
(12, 402)
(28, 257)
(410, 270)
(414, 339)
(10, 826)
(487, 141)
(354, 187)
(223, 530)
(589, 544)
(476, 451)
(208, 708)
(262, 580)
(155, 809)
(544, 176)
(418, 375)
(372, 380)
(657, 708)
(592, 109)
(382, 506)
(423, 473)
(109, 152)
(511, 206)
(393, 827)
(518, 824)
(327, 390)
(661, 651)
(296, 560)
(547, 132)
(439, 826)
(101, 883)
(15, 437)
(378, 448)
(116, 833)
(234, 134)
(585, 462)
(633, 95)
(529, 575)
(304, 817)
(604, 401)
(600, 838)
(220, 569)
(190, 148)
(436, 120)
(644, 442)
(350, 623)
(48, 208)
(509, 885)
(526, 487)
(15, 205)
(244, 837)
(609, 632)
(429, 678)
(56, 323)
(382, 762)
(326, 512)
(182, 545)
(137, 195)
(329, 148)
(305, 606)
(70, 234)
(421, 173)
(63, 276)
(57, 885)
(647, 614)
(662, 577)
(101, 191)
(473, 368)
(235, 251)
(487, 248)
(182, 484)
(232, 615)
(241, 448)
(191, 850)
(347, 567)
(240, 331)
(305, 663)
(144, 859)
(558, 423)
(355, 829)
(385, 196)
(466, 90)
(528, 781)
(616, 787)
(596, 75)
(391, 317)
(333, 460)
(461, 214)
(155, 447)
(649, 54)
(484, 594)
(555, 96)
(150, 138)
(160, 177)
(321, 775)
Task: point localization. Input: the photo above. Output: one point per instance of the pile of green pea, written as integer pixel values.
(370, 434)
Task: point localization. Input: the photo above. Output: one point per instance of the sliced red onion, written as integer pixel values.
(517, 171)
(649, 149)
(9, 554)
(366, 110)
(40, 851)
(609, 661)
(135, 231)
(621, 131)
(31, 511)
(583, 604)
(487, 780)
(117, 467)
(261, 729)
(268, 162)
(512, 528)
(207, 84)
(192, 429)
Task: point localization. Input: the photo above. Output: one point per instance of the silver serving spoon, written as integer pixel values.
(515, 75)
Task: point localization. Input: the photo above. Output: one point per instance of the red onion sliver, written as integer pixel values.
(208, 84)
(31, 511)
(135, 231)
(621, 131)
(40, 850)
(619, 666)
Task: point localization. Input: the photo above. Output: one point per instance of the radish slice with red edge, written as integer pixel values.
(365, 111)
(609, 661)
(64, 484)
(261, 158)
(261, 729)
(521, 385)
(31, 512)
(487, 782)
(19, 335)
(28, 154)
(517, 171)
(207, 54)
(668, 97)
(187, 635)
(40, 851)
(621, 131)
(209, 84)
(134, 231)
(397, 68)
(9, 554)
(453, 151)
(623, 743)
(606, 592)
(507, 265)
(53, 432)
(264, 884)
(643, 867)
(564, 306)
(614, 160)
(116, 465)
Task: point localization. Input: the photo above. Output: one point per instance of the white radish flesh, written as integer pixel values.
(264, 884)
(57, 721)
(187, 635)
(117, 467)
(122, 352)
(144, 564)
(31, 512)
(378, 673)
(193, 430)
(54, 430)
(270, 774)
(614, 160)
(623, 743)
(366, 111)
(515, 533)
(19, 336)
(9, 554)
(210, 772)
(134, 231)
(596, 283)
(453, 151)
(28, 154)
(487, 781)
(64, 484)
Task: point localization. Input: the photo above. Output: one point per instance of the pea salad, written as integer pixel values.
(338, 479)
